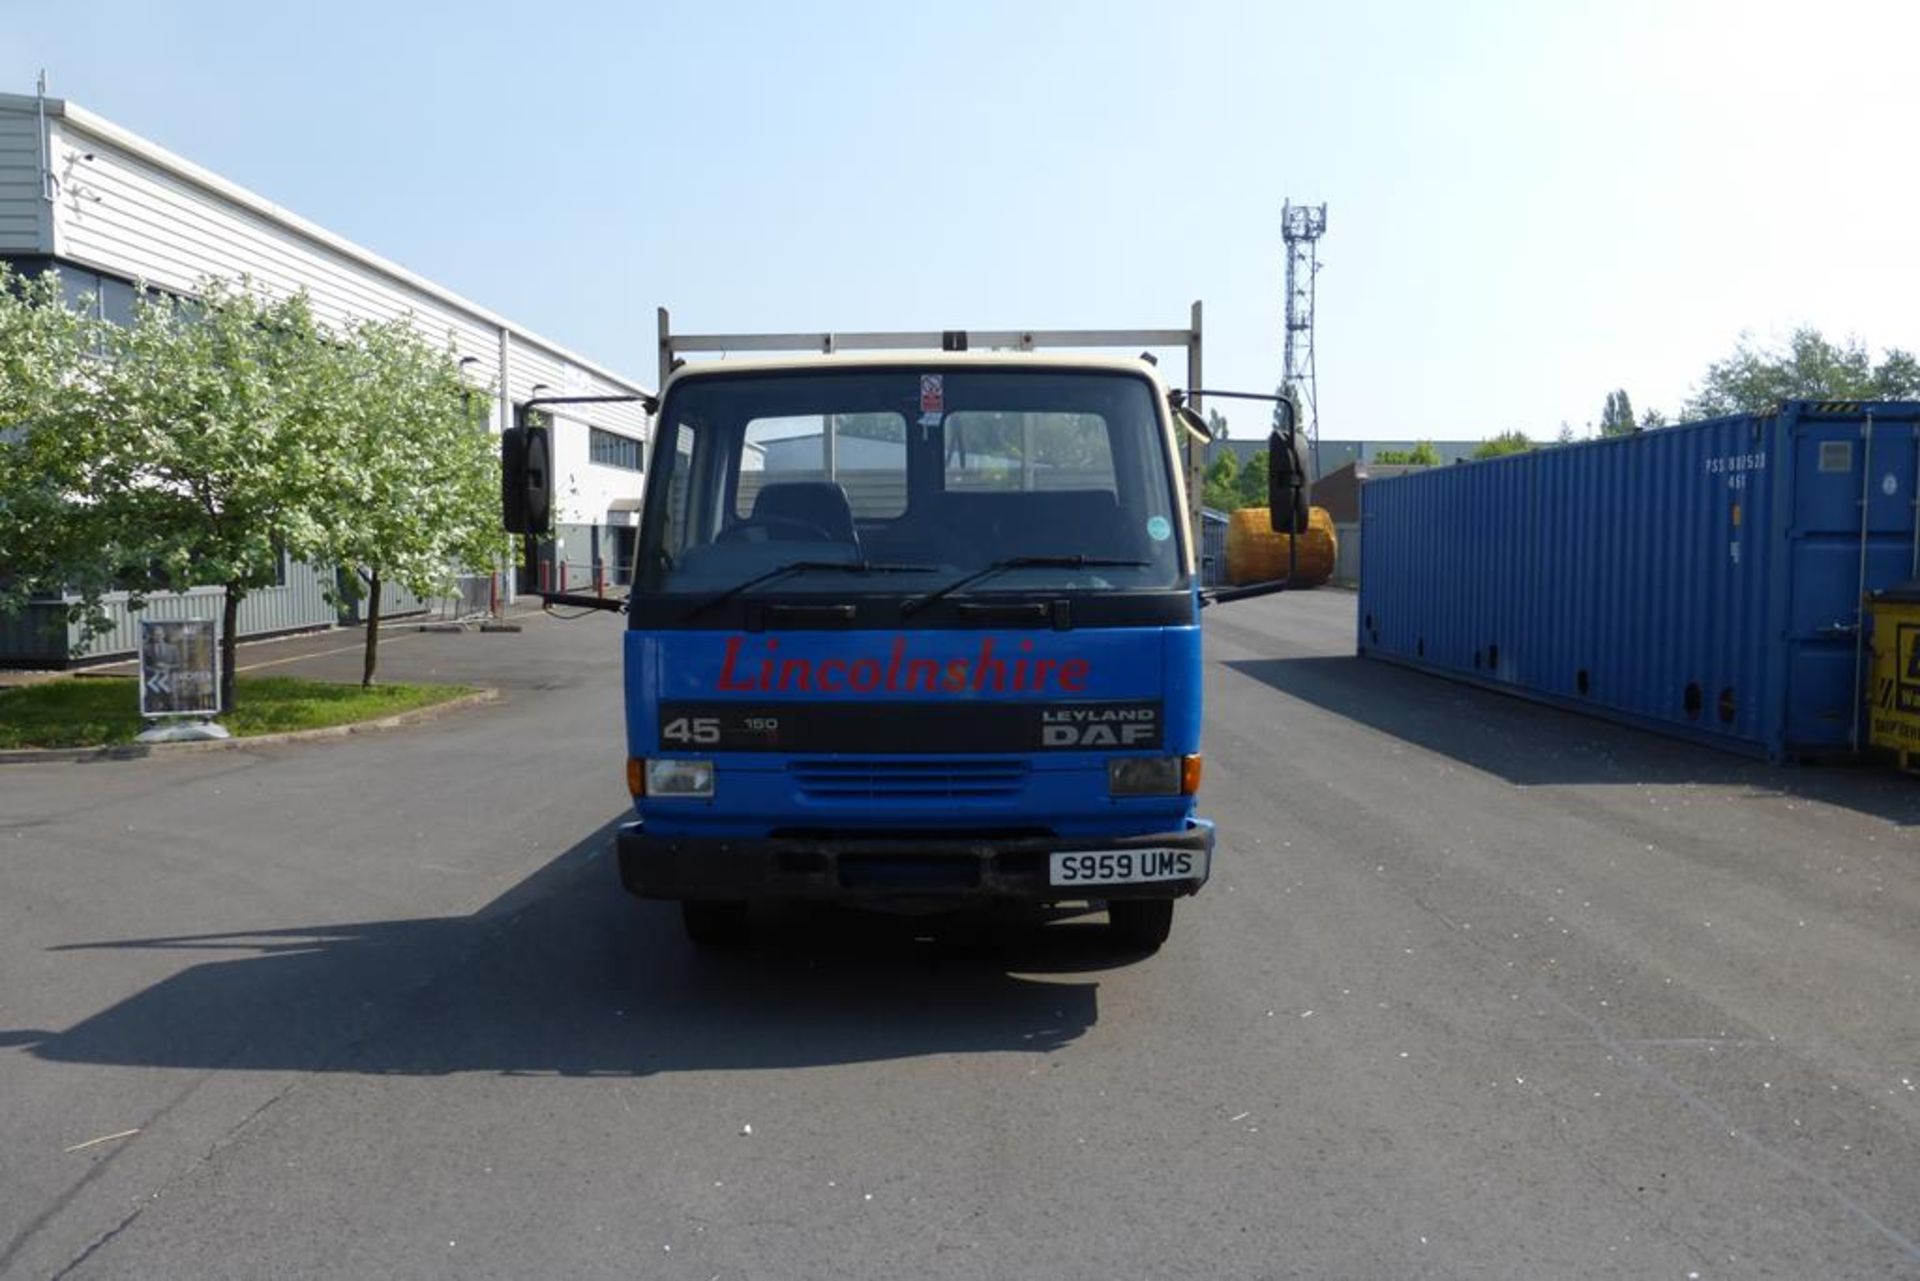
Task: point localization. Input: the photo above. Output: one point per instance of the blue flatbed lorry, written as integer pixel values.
(915, 624)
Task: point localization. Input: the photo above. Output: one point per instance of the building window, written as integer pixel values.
(610, 449)
(106, 297)
(865, 454)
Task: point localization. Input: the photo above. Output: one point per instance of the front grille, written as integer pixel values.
(952, 779)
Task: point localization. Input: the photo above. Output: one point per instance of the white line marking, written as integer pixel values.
(1700, 1107)
(358, 648)
(105, 1138)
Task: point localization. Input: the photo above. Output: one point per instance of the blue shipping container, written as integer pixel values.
(1702, 580)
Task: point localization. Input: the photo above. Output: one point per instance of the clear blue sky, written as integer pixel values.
(1530, 204)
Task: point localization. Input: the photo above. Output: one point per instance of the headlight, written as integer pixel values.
(679, 778)
(1143, 776)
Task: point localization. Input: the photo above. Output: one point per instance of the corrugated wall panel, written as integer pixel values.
(21, 210)
(395, 602)
(1704, 579)
(123, 635)
(301, 604)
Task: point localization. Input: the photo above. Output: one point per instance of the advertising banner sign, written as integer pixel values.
(179, 668)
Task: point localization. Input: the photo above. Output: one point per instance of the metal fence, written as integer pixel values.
(1213, 547)
(473, 594)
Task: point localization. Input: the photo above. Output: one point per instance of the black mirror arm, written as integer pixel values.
(1225, 595)
(616, 605)
(649, 403)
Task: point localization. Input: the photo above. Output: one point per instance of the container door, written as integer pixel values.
(1854, 480)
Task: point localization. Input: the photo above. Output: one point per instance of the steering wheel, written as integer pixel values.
(784, 527)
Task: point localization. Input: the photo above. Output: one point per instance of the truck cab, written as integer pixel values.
(915, 629)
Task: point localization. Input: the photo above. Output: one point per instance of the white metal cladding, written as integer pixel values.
(136, 211)
(21, 207)
(130, 209)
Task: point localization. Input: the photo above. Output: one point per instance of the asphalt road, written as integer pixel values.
(1479, 989)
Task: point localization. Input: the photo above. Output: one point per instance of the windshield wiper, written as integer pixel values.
(800, 567)
(910, 607)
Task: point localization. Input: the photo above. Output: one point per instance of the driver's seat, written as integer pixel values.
(821, 503)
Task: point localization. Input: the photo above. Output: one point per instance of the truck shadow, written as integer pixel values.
(1531, 744)
(565, 974)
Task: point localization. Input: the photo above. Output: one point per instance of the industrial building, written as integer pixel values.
(1339, 491)
(1329, 456)
(110, 213)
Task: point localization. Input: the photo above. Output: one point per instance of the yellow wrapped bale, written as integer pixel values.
(1255, 554)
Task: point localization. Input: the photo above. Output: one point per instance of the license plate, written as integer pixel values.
(1125, 867)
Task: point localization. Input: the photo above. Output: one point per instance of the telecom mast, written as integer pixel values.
(1301, 226)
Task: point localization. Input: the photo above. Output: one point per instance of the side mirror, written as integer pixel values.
(1286, 474)
(526, 476)
(1193, 422)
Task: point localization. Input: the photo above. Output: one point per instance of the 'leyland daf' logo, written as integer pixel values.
(1099, 726)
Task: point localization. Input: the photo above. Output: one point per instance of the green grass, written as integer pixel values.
(98, 711)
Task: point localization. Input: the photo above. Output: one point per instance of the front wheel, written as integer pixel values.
(721, 924)
(1141, 923)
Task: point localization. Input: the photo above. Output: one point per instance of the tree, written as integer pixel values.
(1651, 418)
(411, 480)
(1070, 441)
(1898, 376)
(1217, 424)
(1616, 417)
(1292, 393)
(1754, 379)
(202, 444)
(208, 442)
(1218, 488)
(1507, 442)
(1423, 454)
(48, 362)
(1566, 436)
(1250, 486)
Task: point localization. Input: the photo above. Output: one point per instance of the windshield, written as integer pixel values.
(920, 477)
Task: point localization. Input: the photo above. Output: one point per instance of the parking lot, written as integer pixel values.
(1478, 988)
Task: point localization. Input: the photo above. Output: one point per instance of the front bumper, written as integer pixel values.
(883, 868)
